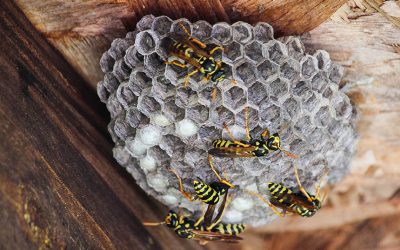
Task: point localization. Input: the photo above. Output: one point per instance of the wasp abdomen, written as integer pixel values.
(229, 229)
(223, 144)
(206, 193)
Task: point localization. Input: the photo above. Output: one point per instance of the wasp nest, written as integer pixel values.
(157, 123)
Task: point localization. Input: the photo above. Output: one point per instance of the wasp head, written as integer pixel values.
(316, 202)
(274, 142)
(172, 219)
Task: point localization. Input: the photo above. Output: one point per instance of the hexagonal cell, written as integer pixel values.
(185, 97)
(145, 22)
(121, 70)
(135, 118)
(232, 52)
(324, 60)
(133, 58)
(161, 25)
(342, 106)
(278, 88)
(131, 36)
(106, 62)
(162, 88)
(295, 48)
(276, 50)
(182, 27)
(198, 114)
(245, 72)
(304, 125)
(138, 81)
(154, 64)
(186, 129)
(121, 155)
(222, 32)
(175, 74)
(336, 73)
(209, 133)
(148, 105)
(309, 66)
(221, 114)
(315, 138)
(102, 92)
(253, 51)
(270, 115)
(311, 102)
(110, 129)
(323, 117)
(174, 147)
(202, 30)
(268, 70)
(118, 48)
(234, 98)
(290, 70)
(328, 93)
(125, 95)
(150, 135)
(257, 93)
(299, 147)
(252, 118)
(206, 96)
(146, 42)
(242, 32)
(160, 157)
(319, 82)
(110, 82)
(195, 156)
(113, 106)
(172, 111)
(292, 107)
(122, 129)
(263, 32)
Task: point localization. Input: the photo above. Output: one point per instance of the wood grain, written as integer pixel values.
(59, 186)
(83, 30)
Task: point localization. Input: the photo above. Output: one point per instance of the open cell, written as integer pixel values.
(145, 42)
(253, 51)
(222, 32)
(245, 72)
(257, 93)
(220, 115)
(234, 98)
(309, 66)
(161, 25)
(268, 71)
(263, 32)
(242, 32)
(277, 51)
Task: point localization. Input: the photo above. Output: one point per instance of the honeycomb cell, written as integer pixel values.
(198, 114)
(324, 60)
(161, 25)
(133, 58)
(202, 30)
(253, 93)
(131, 36)
(336, 73)
(292, 107)
(209, 133)
(113, 106)
(195, 157)
(245, 72)
(102, 92)
(270, 115)
(135, 147)
(295, 48)
(172, 111)
(222, 32)
(319, 82)
(278, 88)
(155, 64)
(323, 117)
(186, 128)
(342, 106)
(145, 42)
(242, 32)
(148, 105)
(145, 23)
(185, 97)
(234, 98)
(304, 126)
(121, 70)
(253, 51)
(175, 74)
(299, 147)
(135, 118)
(121, 155)
(160, 157)
(110, 129)
(206, 96)
(118, 48)
(310, 102)
(252, 118)
(315, 138)
(268, 71)
(110, 82)
(290, 70)
(122, 129)
(150, 135)
(330, 91)
(309, 66)
(162, 88)
(220, 115)
(302, 89)
(125, 95)
(277, 51)
(232, 52)
(106, 62)
(138, 81)
(263, 32)
(181, 26)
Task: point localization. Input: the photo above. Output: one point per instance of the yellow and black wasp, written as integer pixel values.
(250, 147)
(210, 194)
(189, 229)
(300, 202)
(197, 54)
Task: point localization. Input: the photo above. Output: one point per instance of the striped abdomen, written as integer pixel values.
(228, 229)
(206, 193)
(181, 50)
(281, 194)
(223, 144)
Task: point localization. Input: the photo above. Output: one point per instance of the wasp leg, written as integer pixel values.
(265, 133)
(215, 49)
(222, 214)
(176, 63)
(216, 173)
(246, 115)
(299, 183)
(189, 75)
(274, 209)
(233, 138)
(318, 187)
(185, 194)
(153, 224)
(203, 208)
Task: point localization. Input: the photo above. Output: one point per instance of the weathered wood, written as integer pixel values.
(83, 30)
(59, 186)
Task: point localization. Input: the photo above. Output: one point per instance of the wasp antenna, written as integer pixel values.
(152, 224)
(291, 155)
(299, 183)
(318, 187)
(187, 195)
(265, 201)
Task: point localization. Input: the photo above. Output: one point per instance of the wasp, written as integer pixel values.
(197, 54)
(248, 148)
(209, 194)
(300, 202)
(190, 229)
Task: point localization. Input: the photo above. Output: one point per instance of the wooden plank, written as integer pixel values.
(83, 30)
(59, 186)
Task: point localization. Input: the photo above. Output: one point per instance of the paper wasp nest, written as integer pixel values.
(156, 122)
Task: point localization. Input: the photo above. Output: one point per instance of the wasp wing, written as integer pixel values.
(214, 236)
(232, 152)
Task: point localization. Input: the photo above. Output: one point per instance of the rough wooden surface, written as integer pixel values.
(83, 30)
(59, 186)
